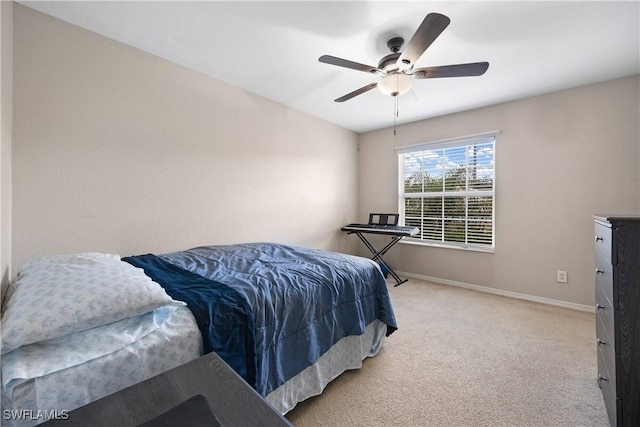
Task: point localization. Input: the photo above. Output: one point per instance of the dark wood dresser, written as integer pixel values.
(203, 392)
(617, 241)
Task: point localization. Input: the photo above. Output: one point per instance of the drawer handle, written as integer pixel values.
(599, 239)
(598, 271)
(600, 307)
(600, 342)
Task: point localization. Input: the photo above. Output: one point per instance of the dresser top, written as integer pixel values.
(616, 217)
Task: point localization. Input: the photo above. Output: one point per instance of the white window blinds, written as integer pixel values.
(447, 190)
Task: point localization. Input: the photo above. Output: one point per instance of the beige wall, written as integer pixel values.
(6, 88)
(559, 159)
(116, 150)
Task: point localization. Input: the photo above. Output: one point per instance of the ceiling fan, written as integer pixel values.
(396, 69)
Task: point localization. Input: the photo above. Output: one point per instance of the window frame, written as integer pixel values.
(467, 193)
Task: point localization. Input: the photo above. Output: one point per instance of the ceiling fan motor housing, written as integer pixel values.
(395, 44)
(388, 63)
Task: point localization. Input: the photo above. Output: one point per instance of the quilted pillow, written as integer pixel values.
(60, 295)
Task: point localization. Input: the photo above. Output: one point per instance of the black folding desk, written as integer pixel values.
(396, 231)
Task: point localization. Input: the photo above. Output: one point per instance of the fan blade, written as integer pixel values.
(357, 92)
(459, 70)
(328, 59)
(428, 31)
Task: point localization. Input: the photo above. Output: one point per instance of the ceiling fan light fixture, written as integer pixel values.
(395, 84)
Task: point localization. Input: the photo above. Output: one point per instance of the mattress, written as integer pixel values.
(50, 379)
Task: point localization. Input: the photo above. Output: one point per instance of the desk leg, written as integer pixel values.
(377, 255)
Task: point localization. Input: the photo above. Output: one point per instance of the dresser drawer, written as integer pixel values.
(608, 391)
(605, 332)
(604, 279)
(603, 240)
(605, 318)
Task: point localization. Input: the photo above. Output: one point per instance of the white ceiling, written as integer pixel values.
(272, 48)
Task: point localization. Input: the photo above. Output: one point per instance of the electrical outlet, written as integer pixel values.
(561, 276)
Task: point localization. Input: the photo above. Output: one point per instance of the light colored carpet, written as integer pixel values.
(466, 358)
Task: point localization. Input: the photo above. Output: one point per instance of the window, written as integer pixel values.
(447, 190)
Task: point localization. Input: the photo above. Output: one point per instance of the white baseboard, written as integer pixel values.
(509, 294)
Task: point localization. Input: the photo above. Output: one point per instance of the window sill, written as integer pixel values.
(461, 246)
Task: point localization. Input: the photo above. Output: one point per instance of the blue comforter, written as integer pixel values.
(299, 302)
(223, 315)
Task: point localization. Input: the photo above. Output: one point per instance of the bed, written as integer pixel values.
(287, 319)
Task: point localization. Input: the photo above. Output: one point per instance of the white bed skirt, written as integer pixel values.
(346, 354)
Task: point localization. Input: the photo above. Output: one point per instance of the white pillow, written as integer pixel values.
(60, 295)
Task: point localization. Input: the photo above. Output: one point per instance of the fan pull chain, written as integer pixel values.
(395, 113)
